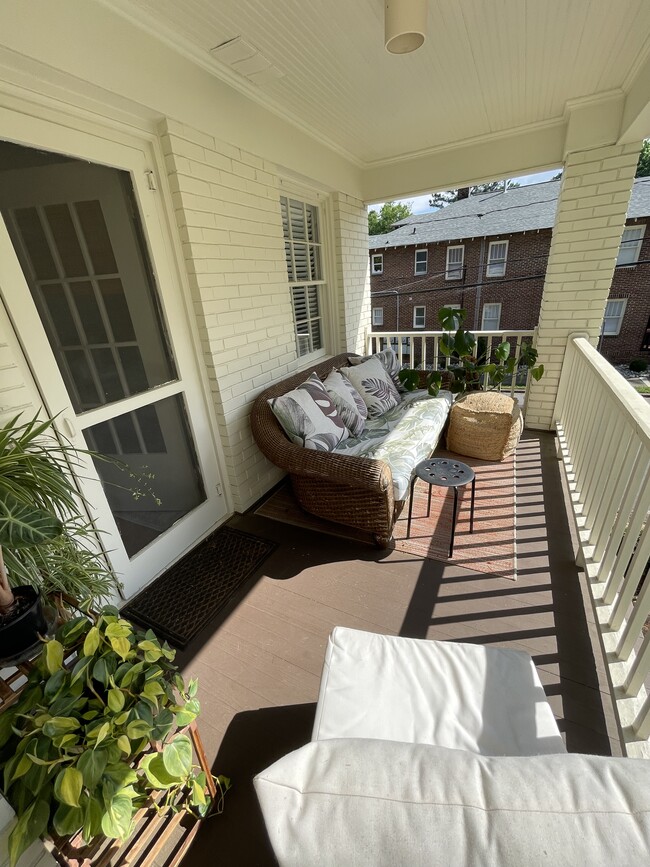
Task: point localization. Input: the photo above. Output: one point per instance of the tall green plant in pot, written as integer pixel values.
(97, 733)
(466, 369)
(46, 542)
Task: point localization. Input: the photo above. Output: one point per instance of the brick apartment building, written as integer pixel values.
(488, 254)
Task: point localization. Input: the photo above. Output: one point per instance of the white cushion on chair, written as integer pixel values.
(371, 803)
(463, 696)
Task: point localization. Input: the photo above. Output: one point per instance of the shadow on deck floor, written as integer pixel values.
(259, 665)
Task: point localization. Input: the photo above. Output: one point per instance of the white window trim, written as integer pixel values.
(638, 242)
(373, 269)
(379, 310)
(498, 264)
(491, 304)
(620, 317)
(424, 316)
(426, 262)
(458, 267)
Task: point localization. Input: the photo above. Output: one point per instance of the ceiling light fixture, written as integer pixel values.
(405, 25)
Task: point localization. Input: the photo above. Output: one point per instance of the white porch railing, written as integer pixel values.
(603, 428)
(422, 349)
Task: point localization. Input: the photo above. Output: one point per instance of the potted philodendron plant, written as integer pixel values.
(97, 733)
(467, 367)
(45, 539)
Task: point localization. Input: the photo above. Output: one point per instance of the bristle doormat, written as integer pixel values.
(193, 591)
(491, 547)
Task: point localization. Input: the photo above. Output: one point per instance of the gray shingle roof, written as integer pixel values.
(522, 209)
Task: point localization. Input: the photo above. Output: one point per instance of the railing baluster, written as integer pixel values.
(637, 574)
(614, 483)
(632, 574)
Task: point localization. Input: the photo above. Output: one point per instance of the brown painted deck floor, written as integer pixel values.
(259, 666)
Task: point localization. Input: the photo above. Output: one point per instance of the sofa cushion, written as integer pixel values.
(309, 417)
(390, 361)
(374, 384)
(402, 437)
(463, 696)
(349, 403)
(372, 803)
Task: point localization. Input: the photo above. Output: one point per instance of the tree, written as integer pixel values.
(439, 200)
(643, 166)
(390, 213)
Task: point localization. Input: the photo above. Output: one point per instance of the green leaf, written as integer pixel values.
(451, 318)
(65, 741)
(67, 786)
(121, 646)
(102, 733)
(410, 379)
(138, 728)
(92, 641)
(116, 699)
(116, 821)
(80, 667)
(31, 824)
(152, 689)
(446, 345)
(124, 744)
(502, 351)
(60, 725)
(54, 684)
(100, 671)
(156, 772)
(189, 713)
(92, 763)
(177, 756)
(193, 685)
(92, 825)
(72, 630)
(464, 343)
(118, 775)
(54, 656)
(67, 820)
(163, 724)
(198, 794)
(25, 526)
(537, 372)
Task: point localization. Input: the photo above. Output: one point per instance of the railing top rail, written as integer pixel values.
(422, 333)
(619, 390)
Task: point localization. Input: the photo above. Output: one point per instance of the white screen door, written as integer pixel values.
(104, 345)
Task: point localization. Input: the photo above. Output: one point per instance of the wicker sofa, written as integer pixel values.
(352, 490)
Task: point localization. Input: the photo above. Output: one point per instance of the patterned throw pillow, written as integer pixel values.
(348, 401)
(389, 359)
(372, 381)
(309, 417)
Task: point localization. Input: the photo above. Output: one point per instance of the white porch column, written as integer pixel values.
(352, 271)
(594, 197)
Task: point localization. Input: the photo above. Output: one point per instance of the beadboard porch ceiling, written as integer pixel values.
(486, 68)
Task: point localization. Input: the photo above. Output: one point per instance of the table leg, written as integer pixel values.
(408, 525)
(429, 502)
(453, 523)
(471, 514)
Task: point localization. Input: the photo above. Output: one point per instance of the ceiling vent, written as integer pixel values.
(246, 60)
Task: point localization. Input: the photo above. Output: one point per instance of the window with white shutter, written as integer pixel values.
(613, 319)
(628, 253)
(419, 317)
(377, 315)
(303, 251)
(455, 262)
(497, 256)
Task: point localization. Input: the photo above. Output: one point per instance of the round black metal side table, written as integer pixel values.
(445, 473)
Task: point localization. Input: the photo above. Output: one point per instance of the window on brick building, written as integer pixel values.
(377, 263)
(491, 317)
(377, 315)
(628, 253)
(421, 257)
(613, 319)
(303, 252)
(419, 317)
(497, 257)
(455, 262)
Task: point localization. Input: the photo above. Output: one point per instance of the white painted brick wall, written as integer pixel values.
(35, 856)
(353, 271)
(594, 197)
(227, 209)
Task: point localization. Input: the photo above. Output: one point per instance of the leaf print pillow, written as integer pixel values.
(309, 417)
(348, 401)
(389, 360)
(374, 384)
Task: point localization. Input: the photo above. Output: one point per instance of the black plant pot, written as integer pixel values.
(23, 632)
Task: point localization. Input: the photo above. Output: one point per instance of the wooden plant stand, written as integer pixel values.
(158, 838)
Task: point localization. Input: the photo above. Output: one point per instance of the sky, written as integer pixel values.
(420, 204)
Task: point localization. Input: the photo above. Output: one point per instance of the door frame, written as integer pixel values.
(80, 135)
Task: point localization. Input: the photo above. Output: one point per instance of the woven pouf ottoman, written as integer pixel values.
(485, 425)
